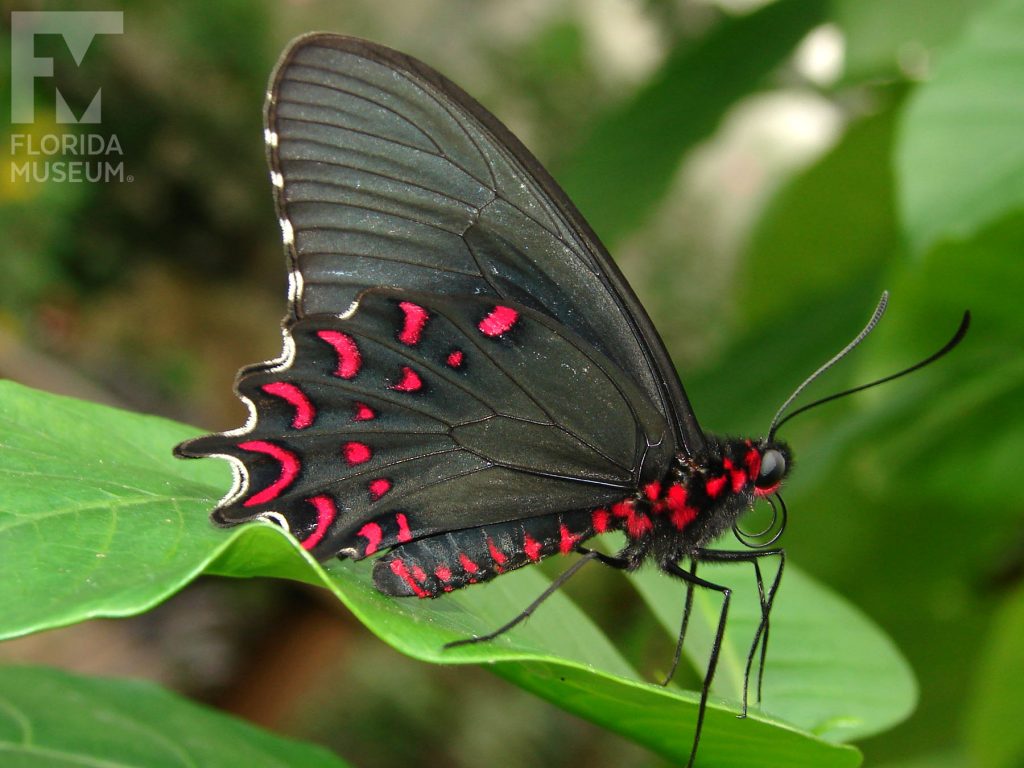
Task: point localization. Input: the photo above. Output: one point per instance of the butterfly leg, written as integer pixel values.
(766, 600)
(553, 587)
(682, 629)
(692, 580)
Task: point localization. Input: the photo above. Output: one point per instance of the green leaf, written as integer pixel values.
(960, 160)
(100, 520)
(997, 700)
(50, 719)
(623, 169)
(830, 670)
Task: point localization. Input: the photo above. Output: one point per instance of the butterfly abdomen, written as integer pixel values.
(435, 565)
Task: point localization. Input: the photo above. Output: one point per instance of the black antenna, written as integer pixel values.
(957, 337)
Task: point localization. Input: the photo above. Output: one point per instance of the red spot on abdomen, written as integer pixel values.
(289, 470)
(637, 523)
(326, 511)
(715, 485)
(373, 534)
(349, 359)
(680, 514)
(399, 569)
(531, 547)
(566, 540)
(356, 453)
(496, 554)
(295, 397)
(363, 412)
(498, 321)
(411, 381)
(600, 519)
(412, 328)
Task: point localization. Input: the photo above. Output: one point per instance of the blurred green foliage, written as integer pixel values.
(756, 265)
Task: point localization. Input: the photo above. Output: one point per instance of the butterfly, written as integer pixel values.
(468, 383)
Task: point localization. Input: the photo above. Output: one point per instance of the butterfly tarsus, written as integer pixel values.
(693, 580)
(766, 602)
(554, 586)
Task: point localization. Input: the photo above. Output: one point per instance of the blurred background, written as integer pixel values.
(761, 171)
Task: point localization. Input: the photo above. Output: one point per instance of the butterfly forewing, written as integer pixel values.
(451, 412)
(387, 174)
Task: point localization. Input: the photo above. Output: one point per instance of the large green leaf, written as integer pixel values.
(960, 159)
(998, 699)
(51, 719)
(98, 519)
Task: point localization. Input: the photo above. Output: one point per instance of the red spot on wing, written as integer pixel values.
(289, 470)
(468, 565)
(379, 487)
(443, 572)
(399, 569)
(498, 321)
(566, 540)
(531, 547)
(715, 485)
(356, 453)
(295, 397)
(363, 412)
(326, 511)
(600, 519)
(404, 534)
(411, 381)
(497, 555)
(412, 327)
(349, 359)
(455, 358)
(373, 534)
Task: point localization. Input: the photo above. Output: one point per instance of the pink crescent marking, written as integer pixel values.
(349, 359)
(289, 470)
(412, 328)
(295, 397)
(326, 511)
(411, 381)
(372, 533)
(498, 321)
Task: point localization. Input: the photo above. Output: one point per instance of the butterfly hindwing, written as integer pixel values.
(421, 414)
(388, 174)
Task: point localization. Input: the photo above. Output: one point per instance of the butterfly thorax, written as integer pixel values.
(699, 498)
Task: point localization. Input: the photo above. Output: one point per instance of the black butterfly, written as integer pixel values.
(468, 383)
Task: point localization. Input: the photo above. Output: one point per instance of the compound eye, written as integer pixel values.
(773, 467)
